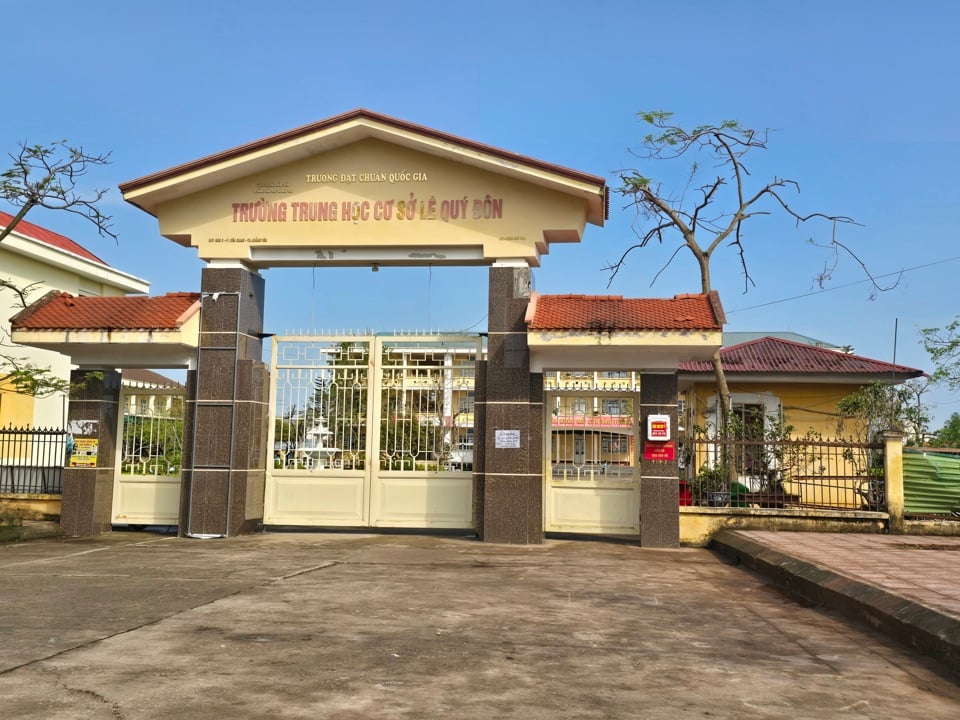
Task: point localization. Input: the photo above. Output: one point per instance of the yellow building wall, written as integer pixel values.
(16, 410)
(810, 408)
(806, 406)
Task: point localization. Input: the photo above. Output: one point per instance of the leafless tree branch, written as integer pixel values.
(49, 176)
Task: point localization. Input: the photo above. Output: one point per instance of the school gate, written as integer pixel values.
(363, 189)
(372, 431)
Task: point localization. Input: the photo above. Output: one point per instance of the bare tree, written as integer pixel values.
(45, 176)
(709, 214)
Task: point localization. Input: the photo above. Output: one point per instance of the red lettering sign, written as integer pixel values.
(663, 451)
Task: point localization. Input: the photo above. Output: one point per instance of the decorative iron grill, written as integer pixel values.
(427, 404)
(409, 400)
(152, 441)
(322, 391)
(592, 437)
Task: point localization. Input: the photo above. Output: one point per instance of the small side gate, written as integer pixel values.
(591, 453)
(149, 455)
(372, 431)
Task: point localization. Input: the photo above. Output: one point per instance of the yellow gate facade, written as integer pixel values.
(371, 431)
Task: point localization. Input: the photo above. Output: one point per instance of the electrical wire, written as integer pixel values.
(845, 285)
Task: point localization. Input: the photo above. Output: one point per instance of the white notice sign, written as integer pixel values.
(506, 439)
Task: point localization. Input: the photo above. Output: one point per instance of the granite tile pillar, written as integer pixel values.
(659, 479)
(93, 418)
(226, 413)
(508, 484)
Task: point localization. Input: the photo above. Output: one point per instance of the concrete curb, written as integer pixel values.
(925, 629)
(31, 530)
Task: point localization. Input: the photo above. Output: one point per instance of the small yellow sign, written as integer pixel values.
(84, 452)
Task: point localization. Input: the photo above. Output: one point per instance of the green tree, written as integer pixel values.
(877, 407)
(949, 435)
(44, 176)
(943, 346)
(709, 213)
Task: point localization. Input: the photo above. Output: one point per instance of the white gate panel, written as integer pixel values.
(149, 500)
(437, 501)
(594, 509)
(320, 500)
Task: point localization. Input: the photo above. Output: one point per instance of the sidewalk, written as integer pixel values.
(905, 586)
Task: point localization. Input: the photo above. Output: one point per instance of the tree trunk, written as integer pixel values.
(723, 419)
(723, 392)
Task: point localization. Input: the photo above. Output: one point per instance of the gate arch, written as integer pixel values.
(361, 190)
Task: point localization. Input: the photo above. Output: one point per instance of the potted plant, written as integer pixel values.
(711, 486)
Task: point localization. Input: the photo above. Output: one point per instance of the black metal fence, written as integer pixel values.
(32, 460)
(798, 473)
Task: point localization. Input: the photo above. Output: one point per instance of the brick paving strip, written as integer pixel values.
(907, 587)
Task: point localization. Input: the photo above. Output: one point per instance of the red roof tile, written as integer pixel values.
(62, 311)
(776, 355)
(614, 313)
(48, 237)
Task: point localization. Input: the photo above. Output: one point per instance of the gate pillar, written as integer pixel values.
(659, 479)
(508, 479)
(93, 418)
(225, 418)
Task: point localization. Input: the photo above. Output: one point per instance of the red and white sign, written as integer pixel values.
(663, 451)
(658, 427)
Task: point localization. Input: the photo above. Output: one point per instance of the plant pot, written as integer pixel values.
(717, 499)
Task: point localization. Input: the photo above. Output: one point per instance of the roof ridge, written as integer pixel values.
(797, 358)
(361, 114)
(37, 305)
(43, 235)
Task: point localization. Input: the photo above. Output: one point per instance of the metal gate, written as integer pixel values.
(372, 431)
(149, 455)
(591, 468)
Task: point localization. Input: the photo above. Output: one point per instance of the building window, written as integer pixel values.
(748, 424)
(615, 406)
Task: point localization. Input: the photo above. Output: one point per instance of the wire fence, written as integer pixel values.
(32, 460)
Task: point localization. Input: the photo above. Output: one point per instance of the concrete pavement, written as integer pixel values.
(131, 625)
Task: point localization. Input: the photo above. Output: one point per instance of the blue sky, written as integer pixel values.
(861, 95)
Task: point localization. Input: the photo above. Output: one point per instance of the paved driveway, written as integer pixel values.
(398, 626)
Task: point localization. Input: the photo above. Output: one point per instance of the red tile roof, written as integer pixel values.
(62, 311)
(48, 237)
(614, 313)
(779, 356)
